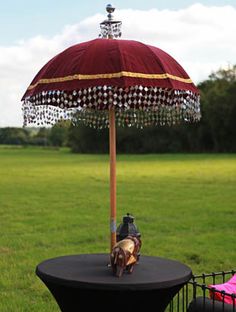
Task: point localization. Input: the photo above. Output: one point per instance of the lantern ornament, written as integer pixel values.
(126, 228)
(110, 28)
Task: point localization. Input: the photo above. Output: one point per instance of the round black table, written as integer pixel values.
(79, 282)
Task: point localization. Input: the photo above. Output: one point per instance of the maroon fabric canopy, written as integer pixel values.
(121, 63)
(144, 84)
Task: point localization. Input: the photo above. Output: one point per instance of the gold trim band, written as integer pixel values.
(109, 76)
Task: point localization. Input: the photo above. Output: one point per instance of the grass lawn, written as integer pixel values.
(54, 203)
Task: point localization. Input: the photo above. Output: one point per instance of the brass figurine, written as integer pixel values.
(125, 254)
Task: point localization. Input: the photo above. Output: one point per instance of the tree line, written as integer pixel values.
(216, 132)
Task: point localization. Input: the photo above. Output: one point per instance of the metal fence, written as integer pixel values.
(195, 295)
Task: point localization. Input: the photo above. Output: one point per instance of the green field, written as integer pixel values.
(54, 203)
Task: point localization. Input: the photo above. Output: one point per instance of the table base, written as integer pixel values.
(73, 299)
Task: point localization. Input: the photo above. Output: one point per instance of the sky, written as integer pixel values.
(200, 35)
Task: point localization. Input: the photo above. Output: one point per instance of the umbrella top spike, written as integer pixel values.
(110, 9)
(110, 28)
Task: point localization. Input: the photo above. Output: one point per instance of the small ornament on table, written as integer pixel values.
(125, 255)
(126, 252)
(128, 227)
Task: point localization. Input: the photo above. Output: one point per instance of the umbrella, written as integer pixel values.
(107, 82)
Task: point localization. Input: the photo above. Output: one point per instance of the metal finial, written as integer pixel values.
(110, 28)
(110, 8)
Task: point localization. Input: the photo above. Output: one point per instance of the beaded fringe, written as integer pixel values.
(135, 106)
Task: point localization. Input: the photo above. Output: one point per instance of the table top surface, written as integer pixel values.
(92, 271)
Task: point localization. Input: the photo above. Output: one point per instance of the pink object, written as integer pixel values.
(229, 287)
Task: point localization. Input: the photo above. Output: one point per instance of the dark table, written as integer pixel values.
(80, 281)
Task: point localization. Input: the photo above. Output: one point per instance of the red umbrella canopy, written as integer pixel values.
(144, 84)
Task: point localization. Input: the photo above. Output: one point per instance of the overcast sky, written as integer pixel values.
(200, 35)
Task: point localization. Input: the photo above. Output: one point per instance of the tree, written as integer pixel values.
(83, 139)
(17, 136)
(42, 137)
(58, 135)
(218, 97)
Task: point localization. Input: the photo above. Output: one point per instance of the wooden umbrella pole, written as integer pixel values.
(112, 141)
